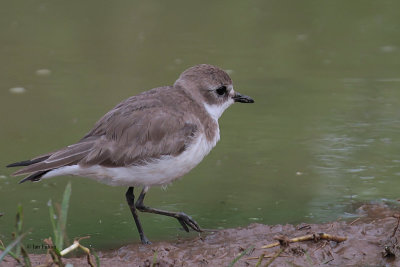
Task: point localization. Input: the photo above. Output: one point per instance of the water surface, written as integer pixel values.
(322, 136)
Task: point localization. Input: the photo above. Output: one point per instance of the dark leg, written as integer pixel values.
(130, 198)
(183, 219)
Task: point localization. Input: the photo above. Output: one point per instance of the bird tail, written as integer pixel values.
(39, 166)
(28, 162)
(34, 176)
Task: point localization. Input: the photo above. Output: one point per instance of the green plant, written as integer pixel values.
(59, 222)
(155, 256)
(240, 255)
(17, 243)
(7, 250)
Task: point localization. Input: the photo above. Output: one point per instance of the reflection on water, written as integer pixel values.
(322, 136)
(357, 155)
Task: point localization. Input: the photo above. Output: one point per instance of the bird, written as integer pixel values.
(150, 139)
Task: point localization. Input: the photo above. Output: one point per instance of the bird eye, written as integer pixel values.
(221, 90)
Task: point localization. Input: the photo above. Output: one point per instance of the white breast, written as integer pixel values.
(158, 172)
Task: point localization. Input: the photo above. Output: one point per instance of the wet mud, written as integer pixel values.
(371, 241)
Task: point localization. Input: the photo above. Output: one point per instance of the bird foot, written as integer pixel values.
(144, 240)
(185, 220)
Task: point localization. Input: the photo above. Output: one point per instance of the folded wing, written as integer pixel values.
(130, 134)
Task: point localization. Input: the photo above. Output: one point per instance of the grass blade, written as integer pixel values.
(154, 259)
(240, 255)
(25, 256)
(12, 254)
(96, 257)
(59, 223)
(53, 220)
(18, 227)
(19, 220)
(62, 221)
(11, 246)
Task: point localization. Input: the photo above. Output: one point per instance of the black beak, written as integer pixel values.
(242, 98)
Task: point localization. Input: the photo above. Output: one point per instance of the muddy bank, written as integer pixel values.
(367, 238)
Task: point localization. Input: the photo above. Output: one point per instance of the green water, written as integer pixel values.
(323, 135)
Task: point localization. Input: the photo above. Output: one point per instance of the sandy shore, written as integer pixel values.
(371, 241)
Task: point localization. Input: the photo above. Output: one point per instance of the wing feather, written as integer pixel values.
(138, 130)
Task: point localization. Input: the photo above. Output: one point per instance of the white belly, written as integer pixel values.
(159, 172)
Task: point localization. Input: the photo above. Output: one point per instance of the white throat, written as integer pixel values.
(216, 111)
